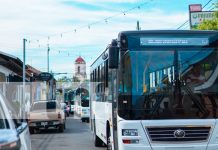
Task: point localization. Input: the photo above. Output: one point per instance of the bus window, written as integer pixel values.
(106, 73)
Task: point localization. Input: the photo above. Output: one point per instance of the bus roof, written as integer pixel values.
(159, 32)
(170, 32)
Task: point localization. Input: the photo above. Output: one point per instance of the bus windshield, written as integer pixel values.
(85, 102)
(178, 83)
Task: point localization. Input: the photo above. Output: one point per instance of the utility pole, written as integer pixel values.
(48, 58)
(138, 26)
(24, 79)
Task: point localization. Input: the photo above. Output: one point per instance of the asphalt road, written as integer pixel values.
(77, 136)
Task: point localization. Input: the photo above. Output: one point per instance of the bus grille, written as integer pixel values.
(178, 134)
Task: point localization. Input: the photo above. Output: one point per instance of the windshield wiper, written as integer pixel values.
(195, 99)
(159, 98)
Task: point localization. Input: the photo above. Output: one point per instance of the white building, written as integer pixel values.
(80, 69)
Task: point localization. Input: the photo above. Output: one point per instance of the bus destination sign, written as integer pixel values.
(173, 41)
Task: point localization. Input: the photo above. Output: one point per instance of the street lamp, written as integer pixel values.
(48, 58)
(24, 79)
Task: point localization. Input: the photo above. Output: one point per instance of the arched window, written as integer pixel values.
(78, 69)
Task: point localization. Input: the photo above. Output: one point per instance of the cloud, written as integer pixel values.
(37, 19)
(104, 1)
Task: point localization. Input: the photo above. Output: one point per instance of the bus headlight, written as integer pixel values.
(129, 132)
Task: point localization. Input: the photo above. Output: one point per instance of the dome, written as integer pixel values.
(80, 60)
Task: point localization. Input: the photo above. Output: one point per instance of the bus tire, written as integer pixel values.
(98, 141)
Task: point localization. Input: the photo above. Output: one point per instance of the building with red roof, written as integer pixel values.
(80, 69)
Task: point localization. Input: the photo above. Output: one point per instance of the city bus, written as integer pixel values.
(156, 90)
(69, 100)
(82, 103)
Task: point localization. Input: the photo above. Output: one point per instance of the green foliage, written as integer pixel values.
(64, 79)
(210, 24)
(75, 79)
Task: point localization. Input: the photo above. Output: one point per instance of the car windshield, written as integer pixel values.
(167, 84)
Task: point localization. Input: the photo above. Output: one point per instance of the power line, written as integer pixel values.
(106, 20)
(212, 8)
(212, 5)
(207, 3)
(188, 20)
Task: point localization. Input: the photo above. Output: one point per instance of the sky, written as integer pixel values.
(96, 22)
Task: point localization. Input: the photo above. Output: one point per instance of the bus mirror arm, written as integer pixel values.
(113, 55)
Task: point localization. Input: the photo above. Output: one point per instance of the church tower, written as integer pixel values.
(80, 69)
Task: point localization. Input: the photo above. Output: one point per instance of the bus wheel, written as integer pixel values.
(98, 141)
(109, 145)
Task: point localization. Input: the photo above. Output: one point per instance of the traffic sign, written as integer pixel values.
(195, 8)
(198, 17)
(45, 76)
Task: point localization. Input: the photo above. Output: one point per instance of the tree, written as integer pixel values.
(76, 79)
(64, 79)
(210, 24)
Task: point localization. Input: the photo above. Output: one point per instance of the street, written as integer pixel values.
(76, 136)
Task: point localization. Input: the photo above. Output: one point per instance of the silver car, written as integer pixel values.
(14, 134)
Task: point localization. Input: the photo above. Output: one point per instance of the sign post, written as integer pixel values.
(197, 18)
(194, 8)
(45, 76)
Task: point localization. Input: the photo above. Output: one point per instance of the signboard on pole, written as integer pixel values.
(198, 17)
(45, 76)
(195, 7)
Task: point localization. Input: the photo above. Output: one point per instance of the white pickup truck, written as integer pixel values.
(46, 114)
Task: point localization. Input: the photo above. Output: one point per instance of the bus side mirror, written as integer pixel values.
(113, 57)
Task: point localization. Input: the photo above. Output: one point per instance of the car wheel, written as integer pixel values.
(61, 128)
(64, 125)
(32, 131)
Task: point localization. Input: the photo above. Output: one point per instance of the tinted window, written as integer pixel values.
(85, 103)
(45, 105)
(169, 84)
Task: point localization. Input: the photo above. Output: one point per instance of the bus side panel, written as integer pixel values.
(100, 120)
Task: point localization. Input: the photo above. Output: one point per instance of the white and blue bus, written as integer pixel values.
(156, 90)
(69, 100)
(82, 102)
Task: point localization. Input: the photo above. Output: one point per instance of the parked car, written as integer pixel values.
(14, 134)
(45, 115)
